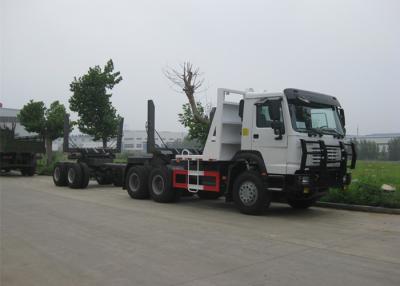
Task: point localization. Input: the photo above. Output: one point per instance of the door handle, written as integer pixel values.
(255, 136)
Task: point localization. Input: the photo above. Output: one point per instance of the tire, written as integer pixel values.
(28, 171)
(60, 175)
(103, 179)
(160, 186)
(208, 195)
(249, 193)
(301, 204)
(137, 183)
(85, 175)
(74, 176)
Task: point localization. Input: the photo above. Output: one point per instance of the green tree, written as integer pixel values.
(47, 122)
(91, 100)
(367, 150)
(198, 131)
(394, 149)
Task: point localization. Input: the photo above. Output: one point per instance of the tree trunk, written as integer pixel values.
(196, 114)
(104, 142)
(49, 150)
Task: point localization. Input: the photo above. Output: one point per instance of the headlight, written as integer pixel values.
(305, 180)
(347, 179)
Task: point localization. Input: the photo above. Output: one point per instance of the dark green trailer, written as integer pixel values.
(18, 153)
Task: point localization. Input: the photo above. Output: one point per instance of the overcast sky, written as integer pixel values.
(350, 49)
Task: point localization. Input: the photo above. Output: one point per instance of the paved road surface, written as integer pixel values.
(99, 236)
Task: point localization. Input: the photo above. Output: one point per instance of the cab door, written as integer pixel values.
(266, 140)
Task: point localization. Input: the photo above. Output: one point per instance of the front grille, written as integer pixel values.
(317, 154)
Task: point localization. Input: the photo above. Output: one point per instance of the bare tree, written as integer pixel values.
(188, 79)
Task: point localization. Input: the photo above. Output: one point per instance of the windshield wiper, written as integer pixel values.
(312, 131)
(331, 130)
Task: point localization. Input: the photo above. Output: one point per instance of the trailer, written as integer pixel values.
(286, 147)
(88, 163)
(18, 153)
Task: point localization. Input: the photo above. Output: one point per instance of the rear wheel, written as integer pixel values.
(160, 186)
(74, 176)
(60, 175)
(85, 175)
(136, 183)
(301, 204)
(249, 193)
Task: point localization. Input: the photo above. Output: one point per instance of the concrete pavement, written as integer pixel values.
(99, 236)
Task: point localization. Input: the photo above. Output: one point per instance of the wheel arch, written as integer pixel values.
(242, 161)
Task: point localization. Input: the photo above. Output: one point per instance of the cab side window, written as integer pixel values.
(263, 118)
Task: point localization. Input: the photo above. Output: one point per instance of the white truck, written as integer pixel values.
(287, 147)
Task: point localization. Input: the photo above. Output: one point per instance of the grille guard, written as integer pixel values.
(347, 150)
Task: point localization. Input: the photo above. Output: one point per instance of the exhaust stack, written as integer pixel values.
(150, 127)
(66, 133)
(120, 134)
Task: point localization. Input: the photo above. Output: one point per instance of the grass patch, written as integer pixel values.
(368, 177)
(43, 169)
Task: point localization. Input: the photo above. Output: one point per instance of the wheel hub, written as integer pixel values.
(248, 193)
(134, 182)
(158, 184)
(71, 175)
(57, 174)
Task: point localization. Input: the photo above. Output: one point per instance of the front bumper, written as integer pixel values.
(308, 185)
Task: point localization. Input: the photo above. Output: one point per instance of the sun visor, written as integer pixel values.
(309, 97)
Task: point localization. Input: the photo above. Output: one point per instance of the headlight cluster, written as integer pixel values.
(304, 180)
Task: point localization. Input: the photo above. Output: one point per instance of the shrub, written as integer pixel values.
(368, 177)
(43, 169)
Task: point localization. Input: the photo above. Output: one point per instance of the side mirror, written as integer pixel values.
(275, 110)
(276, 125)
(342, 117)
(278, 128)
(241, 107)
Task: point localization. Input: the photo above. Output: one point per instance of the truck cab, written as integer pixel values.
(287, 146)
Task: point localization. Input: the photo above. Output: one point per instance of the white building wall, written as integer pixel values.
(382, 140)
(136, 140)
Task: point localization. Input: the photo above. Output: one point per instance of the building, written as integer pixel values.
(381, 139)
(9, 120)
(77, 141)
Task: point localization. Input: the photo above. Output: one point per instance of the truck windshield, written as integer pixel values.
(316, 119)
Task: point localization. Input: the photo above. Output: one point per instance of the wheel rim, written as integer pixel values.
(248, 193)
(157, 184)
(71, 175)
(57, 174)
(134, 182)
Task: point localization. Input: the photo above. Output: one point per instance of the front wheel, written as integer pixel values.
(249, 193)
(301, 204)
